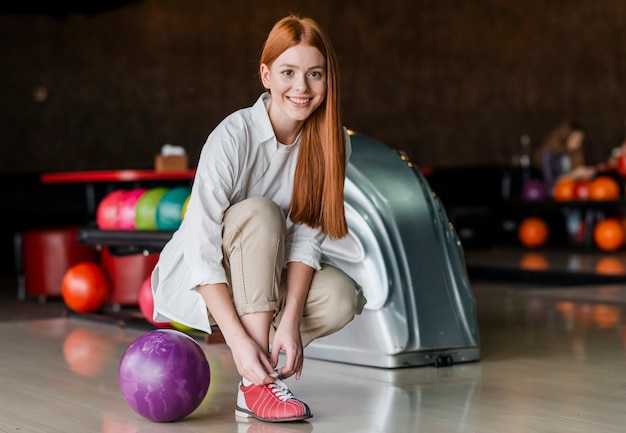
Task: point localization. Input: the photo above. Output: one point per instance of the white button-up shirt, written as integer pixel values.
(240, 159)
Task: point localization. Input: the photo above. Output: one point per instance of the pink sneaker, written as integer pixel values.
(273, 403)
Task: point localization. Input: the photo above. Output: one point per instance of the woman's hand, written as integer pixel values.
(251, 361)
(287, 336)
(582, 172)
(287, 339)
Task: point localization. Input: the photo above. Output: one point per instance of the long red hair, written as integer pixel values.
(317, 197)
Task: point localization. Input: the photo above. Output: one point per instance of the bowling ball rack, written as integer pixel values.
(123, 242)
(126, 242)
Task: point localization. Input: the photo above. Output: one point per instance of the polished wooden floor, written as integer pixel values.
(553, 360)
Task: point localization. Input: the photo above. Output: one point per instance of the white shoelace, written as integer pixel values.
(280, 390)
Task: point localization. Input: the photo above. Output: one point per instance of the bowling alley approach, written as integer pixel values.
(313, 217)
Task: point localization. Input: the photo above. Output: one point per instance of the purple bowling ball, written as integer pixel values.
(534, 190)
(164, 375)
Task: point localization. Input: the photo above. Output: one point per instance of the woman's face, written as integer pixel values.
(575, 141)
(297, 82)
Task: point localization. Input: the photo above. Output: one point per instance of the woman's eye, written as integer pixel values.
(288, 73)
(316, 74)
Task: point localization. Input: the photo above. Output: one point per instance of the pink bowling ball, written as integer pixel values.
(534, 190)
(107, 213)
(146, 303)
(126, 209)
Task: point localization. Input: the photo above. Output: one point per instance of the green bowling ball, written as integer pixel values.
(146, 208)
(184, 328)
(170, 208)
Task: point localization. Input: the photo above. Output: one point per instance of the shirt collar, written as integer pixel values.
(262, 119)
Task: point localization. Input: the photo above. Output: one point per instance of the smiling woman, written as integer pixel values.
(269, 189)
(297, 82)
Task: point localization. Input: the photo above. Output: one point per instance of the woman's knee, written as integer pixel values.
(257, 213)
(347, 302)
(342, 298)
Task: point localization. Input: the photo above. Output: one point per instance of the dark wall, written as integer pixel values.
(449, 82)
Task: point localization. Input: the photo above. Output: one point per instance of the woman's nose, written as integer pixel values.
(301, 83)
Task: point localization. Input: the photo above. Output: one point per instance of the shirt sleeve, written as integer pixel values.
(211, 195)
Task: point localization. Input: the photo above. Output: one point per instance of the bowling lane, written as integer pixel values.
(552, 361)
(572, 266)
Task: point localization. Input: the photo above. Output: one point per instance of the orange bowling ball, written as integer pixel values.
(564, 189)
(604, 188)
(533, 232)
(85, 287)
(608, 234)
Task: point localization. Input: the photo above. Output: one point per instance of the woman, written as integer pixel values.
(562, 155)
(268, 190)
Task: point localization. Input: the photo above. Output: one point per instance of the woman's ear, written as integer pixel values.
(265, 76)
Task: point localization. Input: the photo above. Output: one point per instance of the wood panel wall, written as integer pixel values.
(451, 82)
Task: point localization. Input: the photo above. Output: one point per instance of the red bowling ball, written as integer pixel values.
(581, 189)
(85, 287)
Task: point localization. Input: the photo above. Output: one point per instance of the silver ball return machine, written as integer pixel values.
(405, 255)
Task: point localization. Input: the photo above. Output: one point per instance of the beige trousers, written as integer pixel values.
(254, 259)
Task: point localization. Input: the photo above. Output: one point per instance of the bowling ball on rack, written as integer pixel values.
(608, 234)
(170, 208)
(185, 204)
(621, 163)
(581, 189)
(604, 188)
(534, 190)
(127, 207)
(533, 232)
(164, 375)
(146, 208)
(564, 189)
(107, 212)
